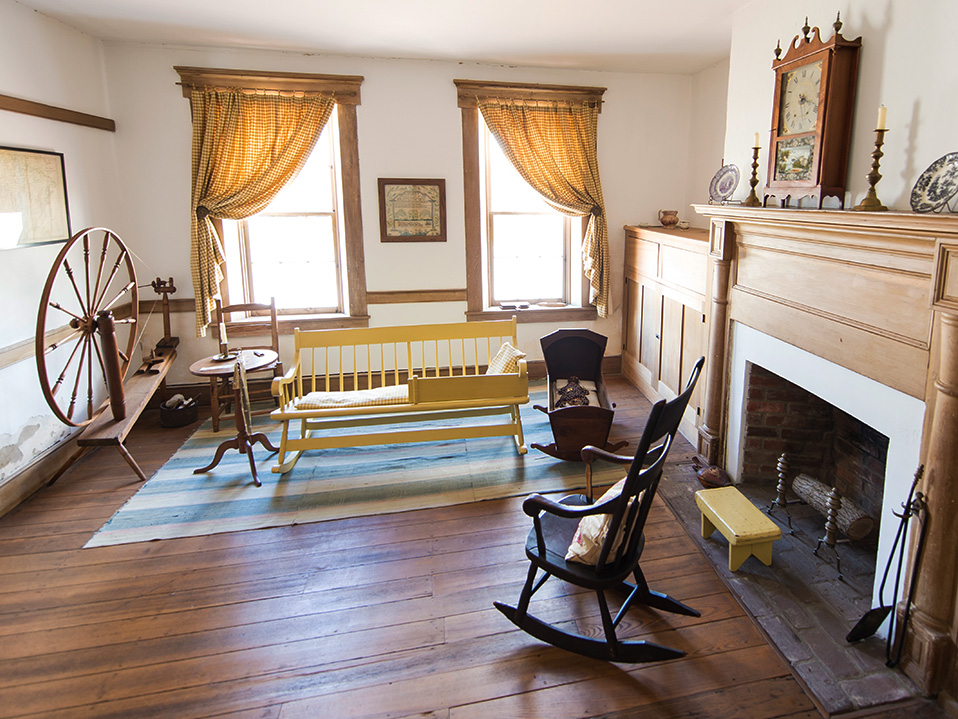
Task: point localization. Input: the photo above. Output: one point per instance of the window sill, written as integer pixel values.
(537, 314)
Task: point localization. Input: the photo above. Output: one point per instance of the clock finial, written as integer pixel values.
(806, 29)
(838, 24)
(778, 49)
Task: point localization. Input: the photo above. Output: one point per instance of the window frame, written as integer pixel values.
(346, 91)
(469, 93)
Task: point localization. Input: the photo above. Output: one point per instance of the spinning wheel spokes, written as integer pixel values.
(68, 352)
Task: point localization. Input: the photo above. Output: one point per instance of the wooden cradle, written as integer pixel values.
(576, 353)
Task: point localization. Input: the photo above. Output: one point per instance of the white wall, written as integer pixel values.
(409, 126)
(707, 134)
(46, 62)
(906, 64)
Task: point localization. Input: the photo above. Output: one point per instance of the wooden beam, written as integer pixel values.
(50, 112)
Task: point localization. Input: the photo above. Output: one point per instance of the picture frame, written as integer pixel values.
(412, 210)
(33, 198)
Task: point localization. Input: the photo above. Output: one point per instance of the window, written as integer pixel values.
(518, 248)
(292, 249)
(523, 231)
(306, 247)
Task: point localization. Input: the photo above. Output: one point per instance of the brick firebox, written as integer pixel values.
(818, 439)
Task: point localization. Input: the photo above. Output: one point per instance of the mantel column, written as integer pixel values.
(712, 429)
(929, 648)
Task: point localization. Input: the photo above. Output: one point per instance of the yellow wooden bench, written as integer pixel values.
(748, 531)
(407, 381)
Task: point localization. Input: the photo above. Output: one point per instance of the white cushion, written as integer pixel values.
(589, 537)
(506, 360)
(378, 396)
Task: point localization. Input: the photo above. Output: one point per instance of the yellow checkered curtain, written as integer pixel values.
(553, 146)
(246, 146)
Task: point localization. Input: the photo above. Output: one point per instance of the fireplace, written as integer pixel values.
(861, 310)
(887, 412)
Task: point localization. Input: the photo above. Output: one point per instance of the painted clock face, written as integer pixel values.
(800, 94)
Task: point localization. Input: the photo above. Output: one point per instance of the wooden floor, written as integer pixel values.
(387, 616)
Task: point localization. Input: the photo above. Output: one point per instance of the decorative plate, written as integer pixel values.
(724, 183)
(937, 185)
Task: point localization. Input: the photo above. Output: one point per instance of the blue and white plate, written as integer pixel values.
(937, 185)
(724, 183)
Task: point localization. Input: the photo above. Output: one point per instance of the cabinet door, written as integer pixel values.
(651, 330)
(684, 340)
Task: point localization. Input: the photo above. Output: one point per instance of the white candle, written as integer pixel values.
(757, 139)
(881, 118)
(223, 339)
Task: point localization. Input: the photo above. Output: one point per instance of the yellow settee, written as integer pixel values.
(413, 383)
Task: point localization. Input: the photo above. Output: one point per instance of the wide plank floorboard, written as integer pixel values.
(382, 616)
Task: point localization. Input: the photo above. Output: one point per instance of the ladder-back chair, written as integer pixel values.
(234, 329)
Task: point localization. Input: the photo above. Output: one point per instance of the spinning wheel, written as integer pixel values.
(93, 272)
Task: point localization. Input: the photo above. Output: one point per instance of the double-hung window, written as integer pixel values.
(292, 250)
(530, 250)
(521, 251)
(305, 248)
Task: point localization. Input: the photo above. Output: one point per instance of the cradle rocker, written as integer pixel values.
(580, 412)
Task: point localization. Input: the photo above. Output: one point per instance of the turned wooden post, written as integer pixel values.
(929, 646)
(712, 431)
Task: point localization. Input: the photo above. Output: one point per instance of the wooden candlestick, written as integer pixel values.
(871, 203)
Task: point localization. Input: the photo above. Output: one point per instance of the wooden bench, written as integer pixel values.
(748, 531)
(344, 384)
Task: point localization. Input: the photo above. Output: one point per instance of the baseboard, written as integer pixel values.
(47, 467)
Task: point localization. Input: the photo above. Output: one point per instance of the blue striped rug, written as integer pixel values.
(338, 483)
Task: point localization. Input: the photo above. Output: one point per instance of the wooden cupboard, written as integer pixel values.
(665, 313)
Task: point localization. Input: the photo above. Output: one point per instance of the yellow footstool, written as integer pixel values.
(748, 531)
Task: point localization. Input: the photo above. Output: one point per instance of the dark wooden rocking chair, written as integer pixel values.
(555, 525)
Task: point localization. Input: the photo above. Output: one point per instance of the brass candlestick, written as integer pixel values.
(871, 203)
(752, 199)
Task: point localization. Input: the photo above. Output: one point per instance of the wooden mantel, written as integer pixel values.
(877, 293)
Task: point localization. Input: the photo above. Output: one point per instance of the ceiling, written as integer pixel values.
(667, 36)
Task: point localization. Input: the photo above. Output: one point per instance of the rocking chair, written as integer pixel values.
(619, 543)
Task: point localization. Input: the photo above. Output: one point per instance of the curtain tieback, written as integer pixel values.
(596, 211)
(202, 212)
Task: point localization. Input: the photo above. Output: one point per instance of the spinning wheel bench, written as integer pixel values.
(78, 356)
(105, 431)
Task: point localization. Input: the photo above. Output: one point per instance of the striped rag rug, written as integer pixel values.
(338, 483)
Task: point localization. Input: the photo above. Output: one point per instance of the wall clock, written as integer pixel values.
(812, 117)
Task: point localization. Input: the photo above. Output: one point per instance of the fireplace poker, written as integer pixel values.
(873, 618)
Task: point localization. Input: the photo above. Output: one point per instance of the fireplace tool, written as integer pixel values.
(873, 618)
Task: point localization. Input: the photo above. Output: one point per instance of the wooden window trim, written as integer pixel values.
(471, 91)
(343, 88)
(345, 91)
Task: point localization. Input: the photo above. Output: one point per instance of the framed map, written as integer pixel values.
(412, 210)
(33, 198)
